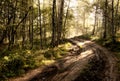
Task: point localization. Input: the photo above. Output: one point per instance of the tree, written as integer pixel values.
(53, 24)
(40, 24)
(112, 23)
(95, 22)
(66, 16)
(105, 19)
(44, 27)
(116, 16)
(60, 21)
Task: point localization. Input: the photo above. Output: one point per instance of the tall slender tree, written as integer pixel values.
(105, 19)
(95, 22)
(66, 16)
(60, 21)
(40, 24)
(116, 16)
(112, 23)
(53, 23)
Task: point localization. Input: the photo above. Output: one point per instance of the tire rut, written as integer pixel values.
(83, 55)
(110, 68)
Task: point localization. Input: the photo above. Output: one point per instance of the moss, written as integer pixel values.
(18, 61)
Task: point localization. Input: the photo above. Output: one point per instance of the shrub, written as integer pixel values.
(11, 66)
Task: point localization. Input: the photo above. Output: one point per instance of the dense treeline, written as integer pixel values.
(110, 18)
(25, 21)
(28, 20)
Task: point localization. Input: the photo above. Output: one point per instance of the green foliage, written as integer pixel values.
(86, 36)
(18, 61)
(55, 53)
(108, 43)
(11, 65)
(15, 63)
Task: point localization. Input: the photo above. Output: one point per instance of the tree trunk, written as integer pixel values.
(60, 21)
(44, 26)
(66, 19)
(112, 24)
(116, 14)
(105, 23)
(94, 28)
(41, 38)
(53, 24)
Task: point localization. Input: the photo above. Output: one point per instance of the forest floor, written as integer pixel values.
(85, 61)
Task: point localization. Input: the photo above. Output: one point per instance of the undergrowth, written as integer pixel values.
(18, 61)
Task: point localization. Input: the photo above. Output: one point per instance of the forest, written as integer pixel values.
(59, 40)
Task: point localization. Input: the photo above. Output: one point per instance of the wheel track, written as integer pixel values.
(70, 67)
(110, 67)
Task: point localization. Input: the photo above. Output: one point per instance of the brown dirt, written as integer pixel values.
(70, 67)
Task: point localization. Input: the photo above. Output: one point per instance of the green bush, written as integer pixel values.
(29, 63)
(11, 66)
(15, 62)
(49, 54)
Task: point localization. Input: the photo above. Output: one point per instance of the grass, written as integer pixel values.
(18, 61)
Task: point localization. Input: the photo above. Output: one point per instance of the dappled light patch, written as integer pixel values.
(28, 51)
(47, 62)
(94, 37)
(81, 44)
(35, 33)
(6, 58)
(67, 46)
(78, 65)
(71, 65)
(86, 53)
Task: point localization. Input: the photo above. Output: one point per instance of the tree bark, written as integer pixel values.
(40, 24)
(53, 24)
(112, 23)
(94, 28)
(66, 19)
(105, 23)
(60, 21)
(116, 14)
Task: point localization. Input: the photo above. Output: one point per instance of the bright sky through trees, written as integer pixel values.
(80, 9)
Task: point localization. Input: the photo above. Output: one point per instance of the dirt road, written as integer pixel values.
(86, 61)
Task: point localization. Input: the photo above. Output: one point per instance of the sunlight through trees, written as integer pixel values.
(44, 24)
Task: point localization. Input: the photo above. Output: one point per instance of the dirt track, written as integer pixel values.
(80, 56)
